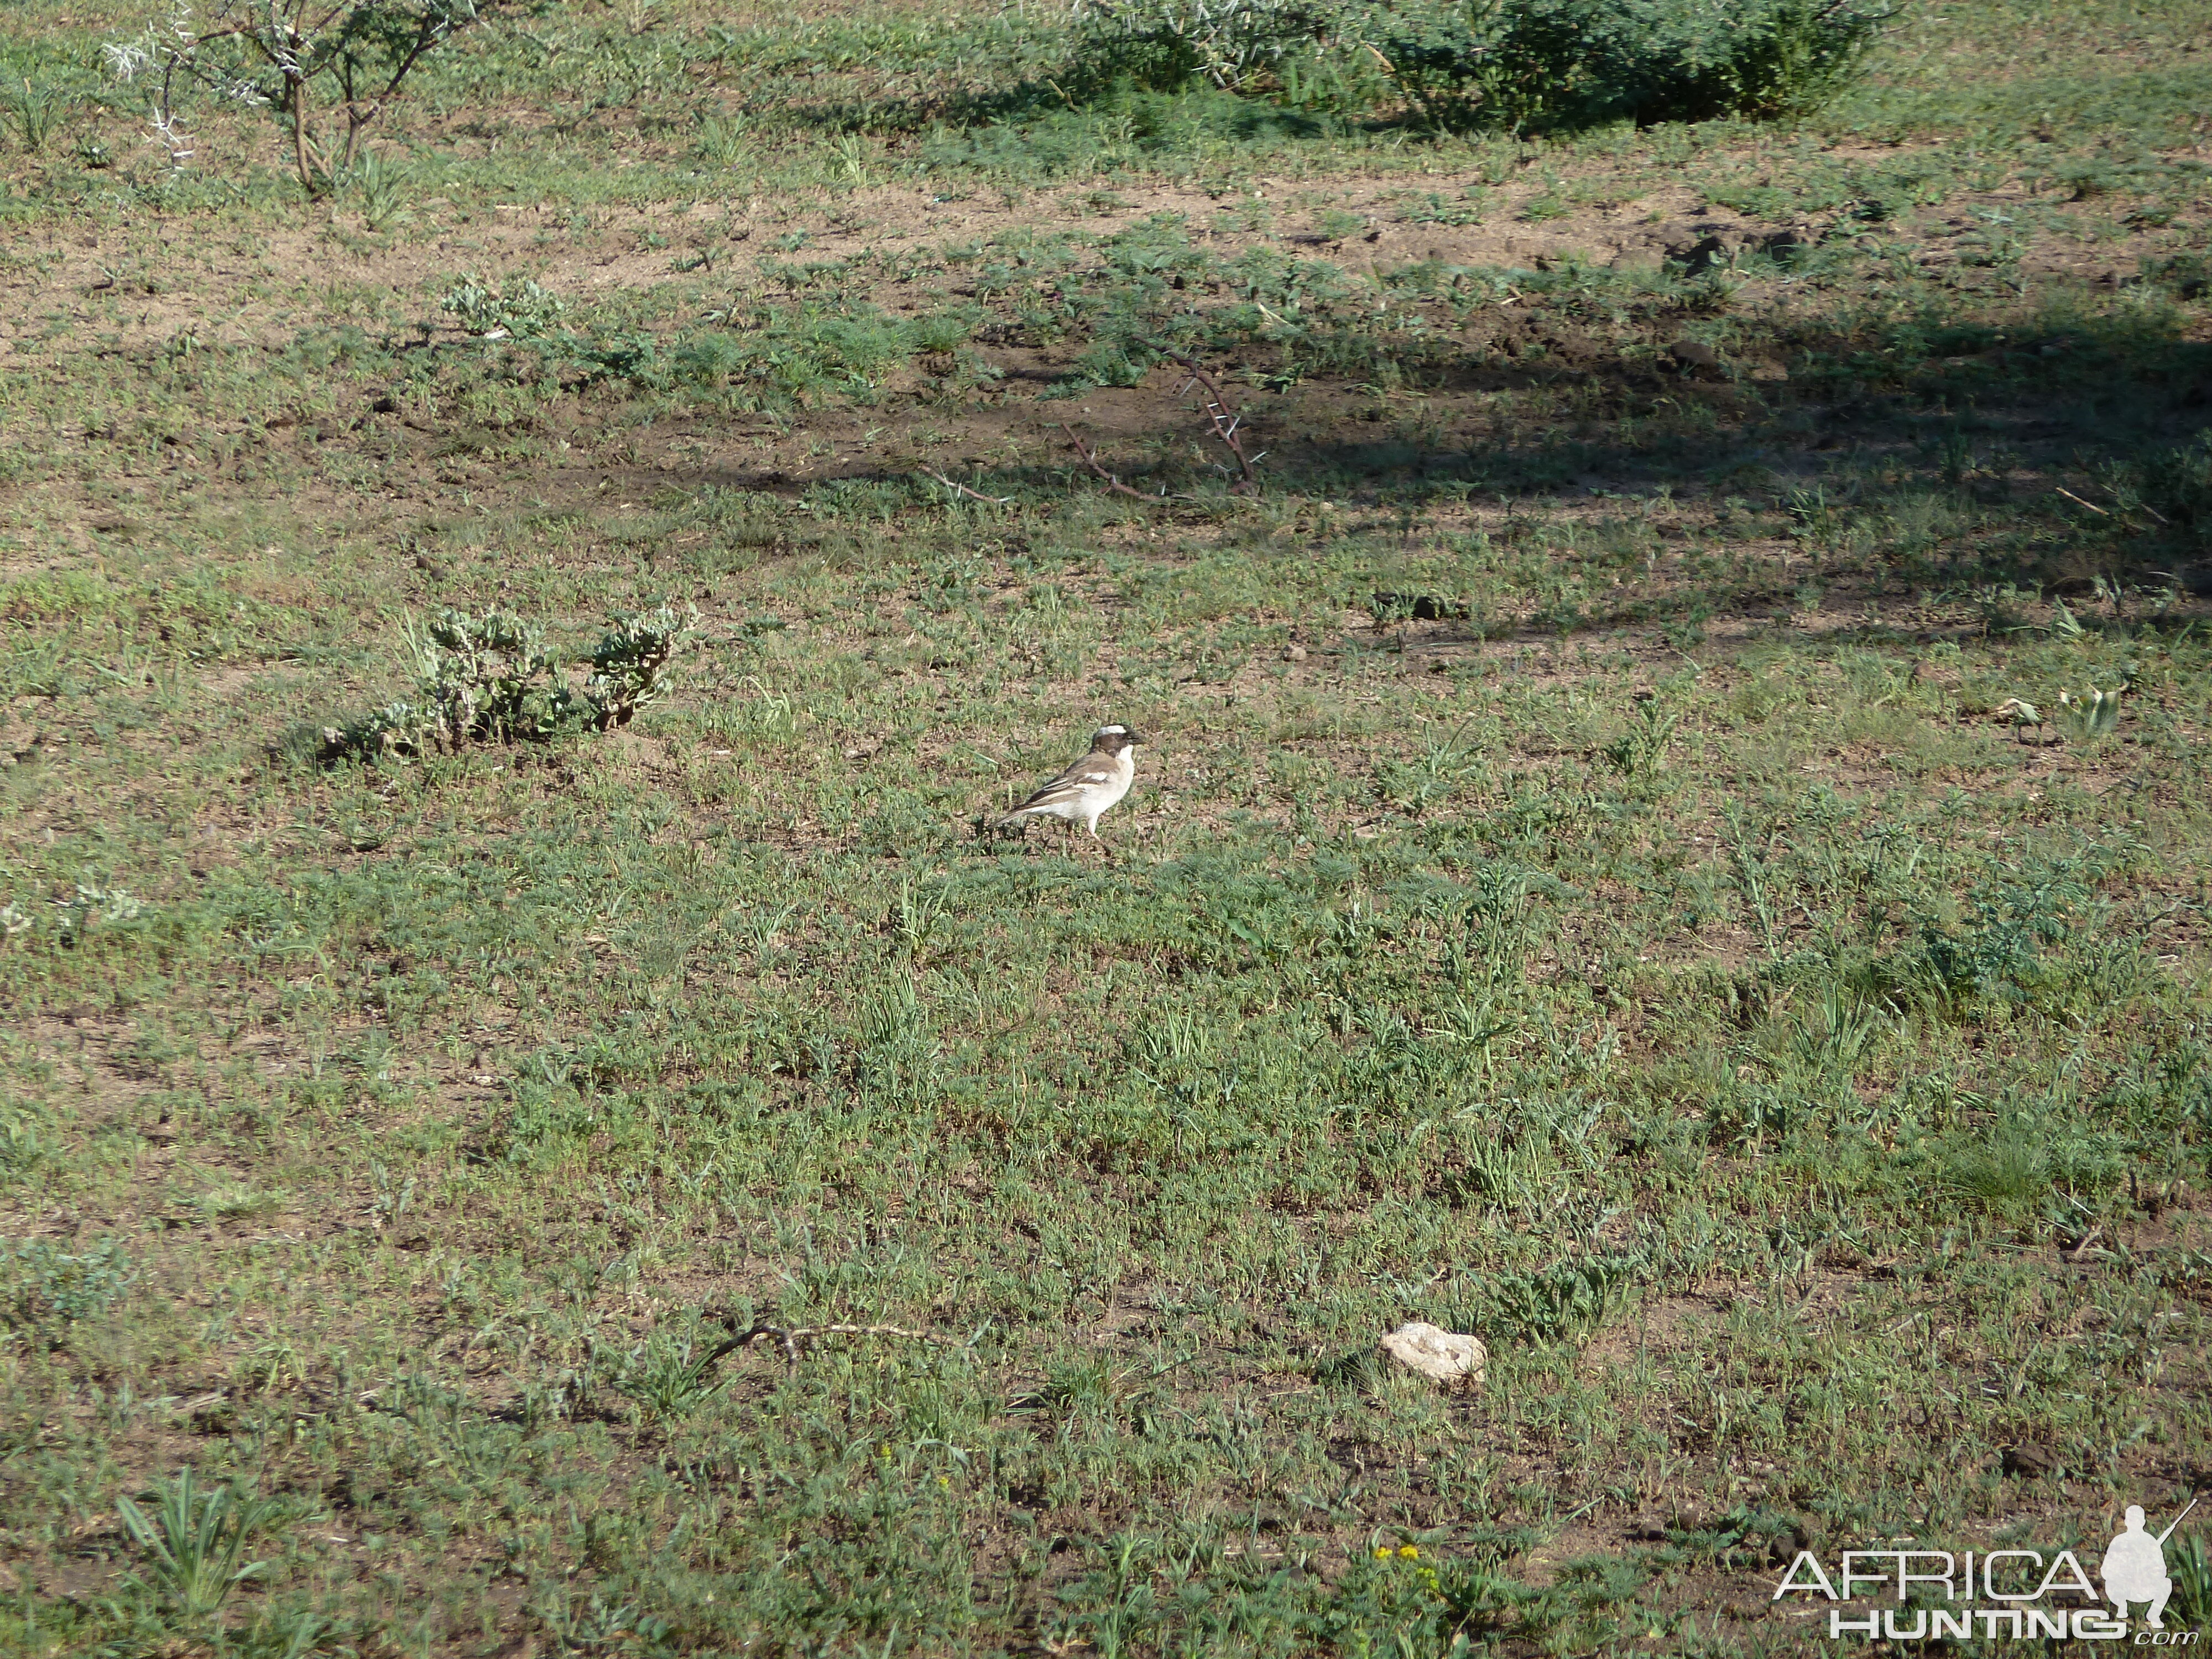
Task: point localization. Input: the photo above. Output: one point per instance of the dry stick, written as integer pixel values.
(973, 495)
(1091, 460)
(2102, 514)
(1225, 423)
(791, 1335)
(1216, 411)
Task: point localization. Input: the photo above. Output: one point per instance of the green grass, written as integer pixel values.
(678, 1188)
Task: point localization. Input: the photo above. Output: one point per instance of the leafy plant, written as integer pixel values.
(1561, 1302)
(522, 312)
(1486, 63)
(32, 114)
(1239, 45)
(491, 677)
(1576, 62)
(2090, 718)
(194, 1538)
(669, 1377)
(723, 141)
(629, 664)
(54, 1288)
(1504, 64)
(20, 1144)
(383, 187)
(95, 906)
(2178, 482)
(1642, 748)
(1996, 955)
(479, 677)
(2186, 276)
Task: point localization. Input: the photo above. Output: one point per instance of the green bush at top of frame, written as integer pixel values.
(1488, 64)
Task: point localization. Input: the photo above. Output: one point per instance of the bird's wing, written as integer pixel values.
(1091, 772)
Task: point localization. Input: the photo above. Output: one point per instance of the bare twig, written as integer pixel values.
(2101, 512)
(1224, 422)
(1090, 459)
(790, 1336)
(962, 488)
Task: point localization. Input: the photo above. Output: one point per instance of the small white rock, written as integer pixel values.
(1444, 1355)
(1294, 653)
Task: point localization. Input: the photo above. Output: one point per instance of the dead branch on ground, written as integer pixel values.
(1090, 459)
(955, 485)
(790, 1336)
(1225, 424)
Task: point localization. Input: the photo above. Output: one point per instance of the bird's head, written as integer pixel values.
(1114, 740)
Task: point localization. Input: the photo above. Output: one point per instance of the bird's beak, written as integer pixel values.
(1136, 739)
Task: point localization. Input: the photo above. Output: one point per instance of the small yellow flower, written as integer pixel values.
(1381, 1552)
(1409, 1551)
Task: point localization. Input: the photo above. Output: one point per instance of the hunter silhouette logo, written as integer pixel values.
(2134, 1567)
(1935, 1596)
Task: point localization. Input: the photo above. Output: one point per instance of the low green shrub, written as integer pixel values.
(521, 311)
(629, 664)
(1488, 64)
(792, 356)
(1560, 1302)
(491, 678)
(2178, 482)
(190, 1538)
(1238, 46)
(48, 1289)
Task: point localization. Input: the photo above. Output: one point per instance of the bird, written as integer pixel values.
(1090, 787)
(2022, 715)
